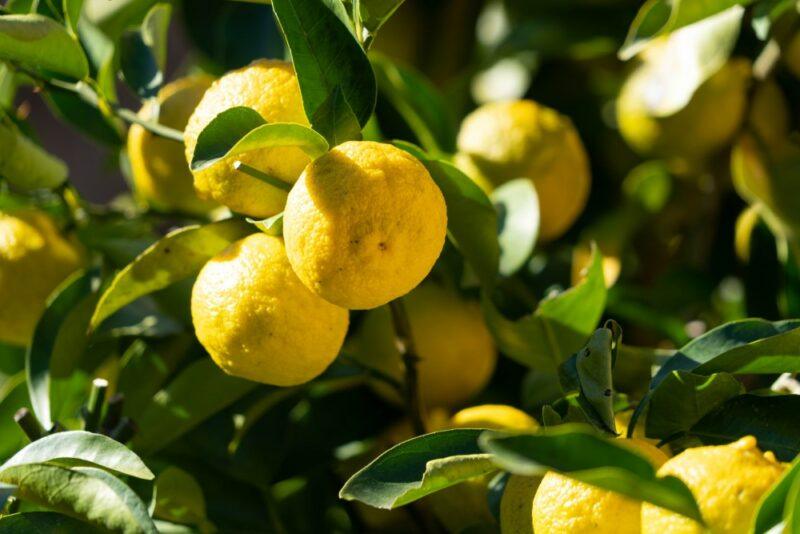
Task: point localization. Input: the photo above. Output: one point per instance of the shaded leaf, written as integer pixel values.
(771, 507)
(41, 44)
(270, 226)
(418, 467)
(81, 447)
(6, 491)
(579, 454)
(241, 129)
(517, 208)
(179, 498)
(143, 52)
(372, 14)
(43, 522)
(179, 255)
(335, 118)
(72, 13)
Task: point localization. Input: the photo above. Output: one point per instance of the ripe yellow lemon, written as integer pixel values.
(563, 505)
(160, 174)
(364, 224)
(456, 350)
(494, 416)
(270, 87)
(34, 259)
(501, 141)
(727, 482)
(258, 321)
(516, 504)
(704, 126)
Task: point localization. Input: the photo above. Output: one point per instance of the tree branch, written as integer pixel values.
(405, 345)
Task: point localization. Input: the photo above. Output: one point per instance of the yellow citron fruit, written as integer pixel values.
(494, 416)
(516, 504)
(34, 259)
(364, 224)
(502, 141)
(269, 87)
(727, 482)
(258, 321)
(704, 126)
(160, 174)
(456, 351)
(563, 505)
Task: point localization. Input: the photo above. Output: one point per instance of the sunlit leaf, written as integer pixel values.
(41, 44)
(518, 217)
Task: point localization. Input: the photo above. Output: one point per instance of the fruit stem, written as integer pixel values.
(94, 408)
(259, 175)
(28, 423)
(405, 345)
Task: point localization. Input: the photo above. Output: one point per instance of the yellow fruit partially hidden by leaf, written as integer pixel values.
(364, 224)
(727, 482)
(34, 259)
(704, 126)
(258, 321)
(456, 350)
(269, 87)
(516, 505)
(160, 174)
(494, 416)
(563, 505)
(502, 141)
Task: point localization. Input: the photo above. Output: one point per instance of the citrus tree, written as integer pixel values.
(375, 261)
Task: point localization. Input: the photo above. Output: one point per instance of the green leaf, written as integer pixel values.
(86, 493)
(418, 101)
(13, 396)
(241, 129)
(179, 255)
(683, 398)
(40, 351)
(271, 226)
(659, 17)
(418, 467)
(178, 408)
(79, 447)
(143, 52)
(769, 513)
(25, 164)
(471, 218)
(326, 56)
(557, 328)
(588, 372)
(573, 451)
(72, 13)
(336, 119)
(144, 370)
(372, 14)
(42, 45)
(41, 522)
(517, 208)
(772, 420)
(179, 498)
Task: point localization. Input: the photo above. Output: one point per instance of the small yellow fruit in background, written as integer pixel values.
(34, 259)
(270, 87)
(364, 224)
(791, 55)
(704, 126)
(258, 321)
(494, 416)
(160, 174)
(456, 350)
(516, 505)
(727, 482)
(563, 505)
(502, 141)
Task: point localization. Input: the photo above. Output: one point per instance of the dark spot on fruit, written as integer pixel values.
(382, 245)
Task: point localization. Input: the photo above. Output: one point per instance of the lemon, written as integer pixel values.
(501, 141)
(364, 224)
(456, 351)
(159, 171)
(258, 321)
(494, 416)
(563, 505)
(727, 482)
(516, 504)
(704, 126)
(34, 259)
(270, 87)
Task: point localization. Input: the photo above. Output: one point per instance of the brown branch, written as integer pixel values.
(405, 345)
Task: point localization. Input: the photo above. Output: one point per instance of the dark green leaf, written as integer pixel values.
(86, 493)
(42, 45)
(13, 396)
(471, 218)
(772, 420)
(179, 255)
(372, 14)
(179, 498)
(241, 129)
(771, 507)
(72, 13)
(6, 491)
(143, 52)
(336, 119)
(144, 371)
(71, 108)
(517, 208)
(178, 408)
(38, 357)
(577, 453)
(418, 467)
(44, 523)
(326, 56)
(683, 398)
(79, 447)
(557, 328)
